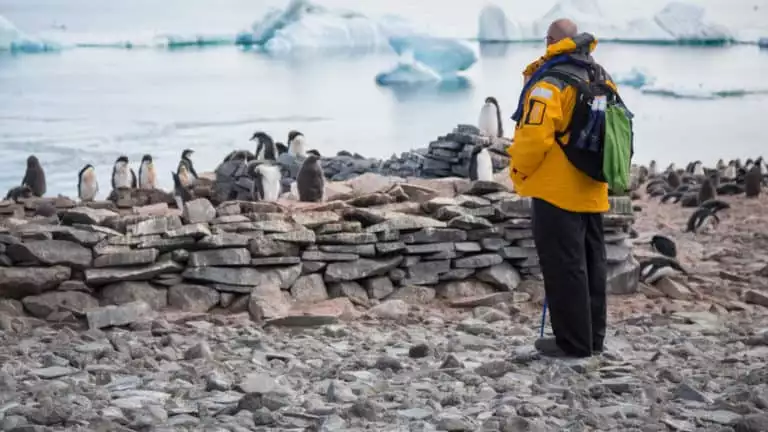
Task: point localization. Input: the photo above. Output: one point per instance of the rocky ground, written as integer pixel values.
(693, 364)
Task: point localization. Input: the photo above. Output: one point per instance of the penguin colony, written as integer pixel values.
(262, 166)
(697, 187)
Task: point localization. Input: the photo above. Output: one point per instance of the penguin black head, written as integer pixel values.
(32, 162)
(314, 154)
(477, 149)
(664, 245)
(146, 158)
(281, 148)
(293, 134)
(261, 137)
(492, 100)
(85, 168)
(123, 159)
(187, 153)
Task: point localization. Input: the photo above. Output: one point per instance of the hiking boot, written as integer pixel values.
(548, 347)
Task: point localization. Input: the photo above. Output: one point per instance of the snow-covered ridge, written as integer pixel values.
(677, 22)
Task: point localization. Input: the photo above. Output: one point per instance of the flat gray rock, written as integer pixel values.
(45, 304)
(364, 250)
(18, 282)
(192, 298)
(51, 252)
(316, 218)
(275, 261)
(103, 276)
(328, 256)
(478, 261)
(244, 276)
(126, 258)
(196, 231)
(130, 291)
(235, 257)
(503, 276)
(53, 372)
(351, 290)
(128, 313)
(435, 235)
(347, 238)
(155, 225)
(224, 240)
(360, 269)
(304, 236)
(309, 289)
(198, 210)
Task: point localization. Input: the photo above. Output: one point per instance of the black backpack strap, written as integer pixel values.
(582, 90)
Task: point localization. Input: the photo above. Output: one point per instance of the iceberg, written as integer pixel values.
(676, 23)
(303, 26)
(762, 42)
(14, 40)
(428, 60)
(635, 78)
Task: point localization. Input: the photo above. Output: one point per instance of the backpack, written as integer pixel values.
(601, 138)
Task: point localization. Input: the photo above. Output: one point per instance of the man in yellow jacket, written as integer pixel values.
(567, 203)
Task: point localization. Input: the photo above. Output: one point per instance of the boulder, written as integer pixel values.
(503, 276)
(267, 301)
(351, 290)
(309, 289)
(414, 294)
(155, 225)
(624, 278)
(43, 305)
(199, 210)
(128, 313)
(86, 216)
(127, 292)
(51, 252)
(192, 298)
(379, 287)
(465, 288)
(18, 282)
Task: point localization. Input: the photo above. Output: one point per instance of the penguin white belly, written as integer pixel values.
(147, 177)
(698, 170)
(88, 186)
(653, 277)
(730, 172)
(297, 146)
(270, 182)
(488, 122)
(122, 177)
(484, 166)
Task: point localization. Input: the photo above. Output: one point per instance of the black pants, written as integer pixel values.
(571, 252)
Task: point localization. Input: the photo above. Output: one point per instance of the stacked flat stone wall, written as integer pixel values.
(267, 259)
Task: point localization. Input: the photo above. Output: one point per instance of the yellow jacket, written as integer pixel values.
(538, 166)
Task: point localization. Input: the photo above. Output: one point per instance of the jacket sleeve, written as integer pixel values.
(535, 132)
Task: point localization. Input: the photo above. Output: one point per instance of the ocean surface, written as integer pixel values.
(96, 101)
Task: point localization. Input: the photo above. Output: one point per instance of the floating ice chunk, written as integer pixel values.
(443, 55)
(762, 42)
(494, 26)
(635, 78)
(14, 40)
(408, 72)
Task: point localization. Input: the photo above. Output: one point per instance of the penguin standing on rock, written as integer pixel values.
(664, 245)
(34, 177)
(297, 144)
(186, 169)
(87, 184)
(147, 176)
(656, 268)
(181, 192)
(753, 182)
(123, 176)
(265, 147)
(480, 164)
(489, 122)
(310, 181)
(267, 183)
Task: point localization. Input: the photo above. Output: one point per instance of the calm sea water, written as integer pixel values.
(90, 105)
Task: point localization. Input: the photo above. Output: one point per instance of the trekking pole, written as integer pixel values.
(543, 318)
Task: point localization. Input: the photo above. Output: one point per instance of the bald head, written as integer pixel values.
(561, 29)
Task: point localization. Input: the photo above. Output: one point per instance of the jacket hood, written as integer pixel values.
(582, 44)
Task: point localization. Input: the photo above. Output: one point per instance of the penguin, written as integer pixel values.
(181, 193)
(664, 245)
(729, 172)
(672, 197)
(19, 192)
(730, 189)
(654, 183)
(480, 164)
(310, 180)
(753, 182)
(34, 177)
(683, 188)
(673, 179)
(671, 168)
(689, 200)
(698, 169)
(489, 122)
(720, 166)
(281, 148)
(707, 191)
(87, 183)
(700, 219)
(236, 155)
(267, 184)
(123, 176)
(186, 169)
(714, 177)
(265, 149)
(296, 143)
(658, 192)
(748, 165)
(653, 170)
(715, 205)
(655, 268)
(147, 177)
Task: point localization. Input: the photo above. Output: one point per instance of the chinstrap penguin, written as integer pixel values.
(281, 148)
(310, 180)
(87, 183)
(715, 205)
(753, 182)
(267, 181)
(653, 269)
(490, 123)
(265, 147)
(34, 177)
(297, 144)
(147, 176)
(123, 176)
(707, 191)
(480, 164)
(181, 193)
(673, 179)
